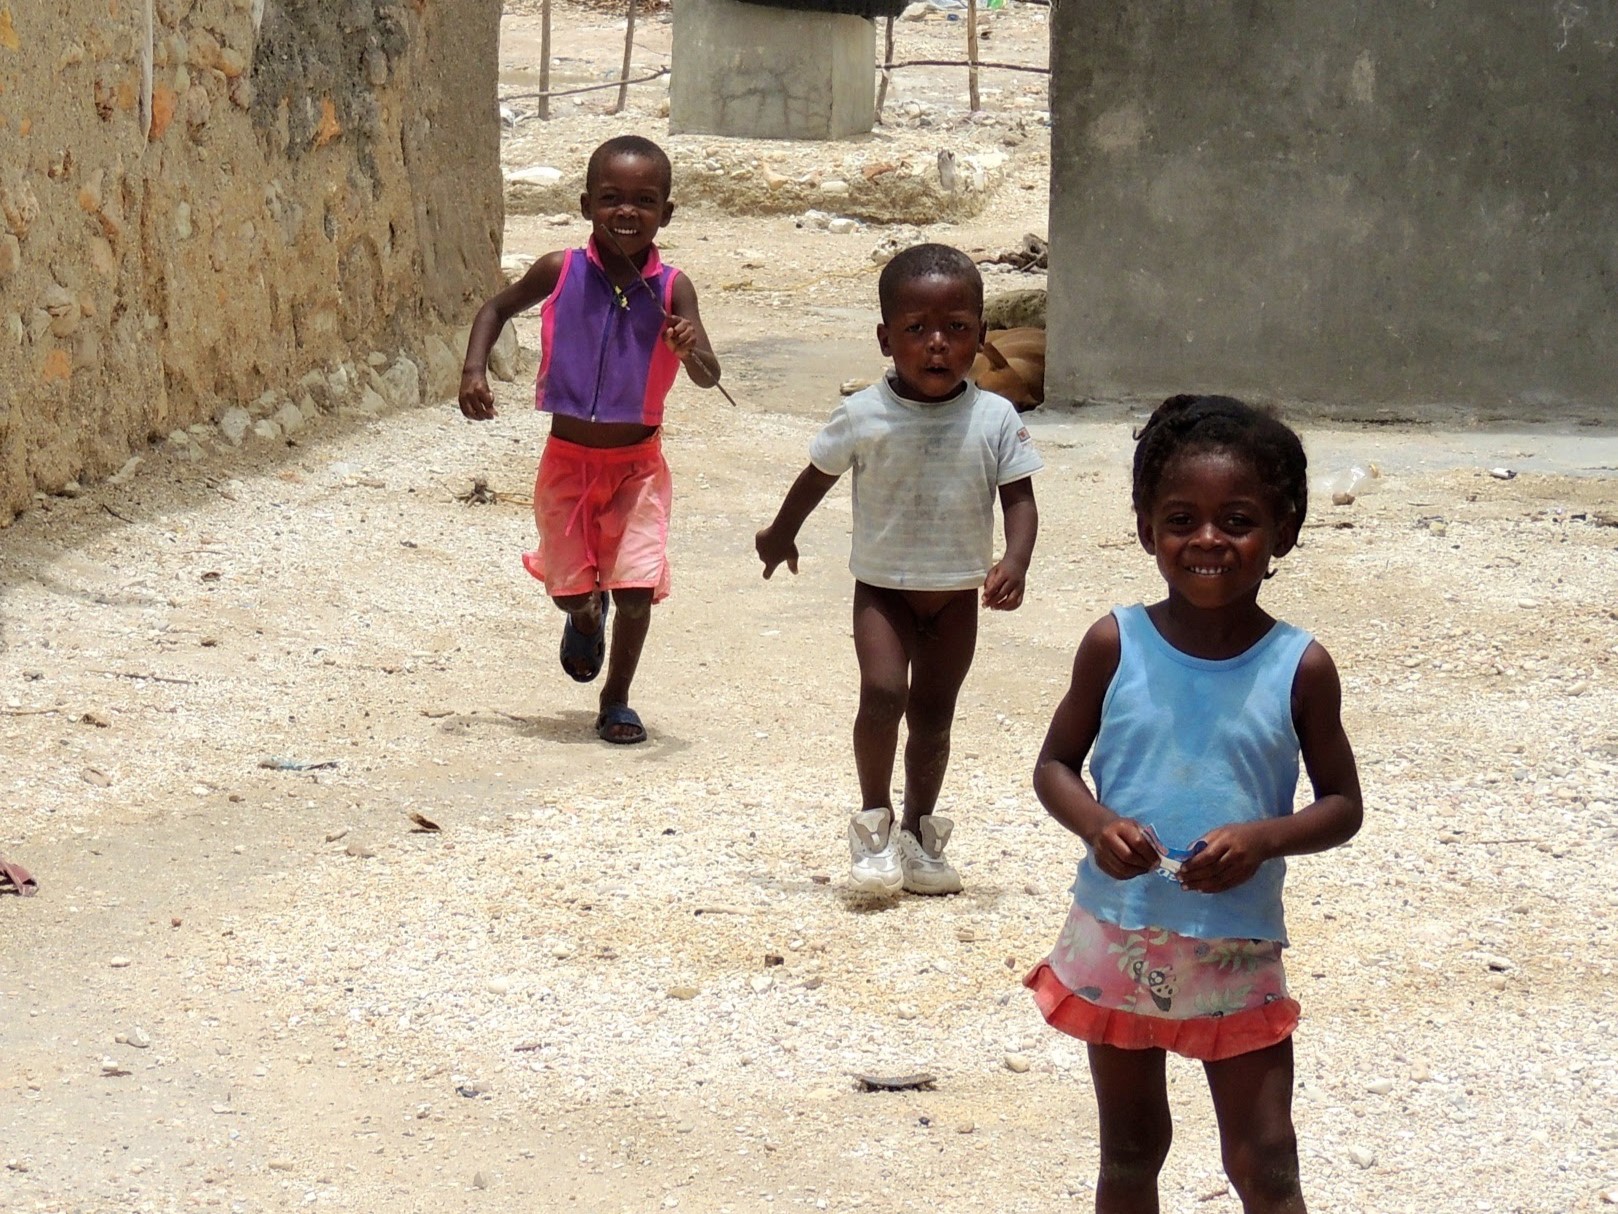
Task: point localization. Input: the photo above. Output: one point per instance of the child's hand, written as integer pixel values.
(1122, 850)
(680, 335)
(1002, 589)
(772, 550)
(1232, 856)
(477, 402)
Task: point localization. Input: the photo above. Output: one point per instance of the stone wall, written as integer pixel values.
(237, 211)
(1370, 205)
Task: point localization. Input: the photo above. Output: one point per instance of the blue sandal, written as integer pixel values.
(582, 656)
(620, 716)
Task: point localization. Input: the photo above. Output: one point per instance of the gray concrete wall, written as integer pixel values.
(218, 209)
(769, 73)
(1350, 204)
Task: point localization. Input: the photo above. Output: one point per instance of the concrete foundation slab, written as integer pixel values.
(767, 73)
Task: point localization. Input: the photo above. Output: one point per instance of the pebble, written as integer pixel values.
(480, 1180)
(683, 992)
(280, 1165)
(841, 226)
(119, 963)
(966, 1127)
(1361, 1156)
(761, 983)
(1016, 1063)
(1379, 1087)
(1420, 1072)
(498, 986)
(137, 1038)
(359, 849)
(908, 1011)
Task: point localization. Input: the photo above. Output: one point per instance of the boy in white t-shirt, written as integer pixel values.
(930, 452)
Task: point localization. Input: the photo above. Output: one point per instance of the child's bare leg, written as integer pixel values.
(584, 609)
(1252, 1097)
(884, 631)
(632, 618)
(940, 657)
(1132, 1102)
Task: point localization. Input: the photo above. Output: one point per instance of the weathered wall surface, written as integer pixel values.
(770, 73)
(1351, 203)
(233, 211)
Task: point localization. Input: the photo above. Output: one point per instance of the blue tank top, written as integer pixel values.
(1187, 744)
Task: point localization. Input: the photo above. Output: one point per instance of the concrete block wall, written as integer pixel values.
(1361, 205)
(757, 72)
(203, 202)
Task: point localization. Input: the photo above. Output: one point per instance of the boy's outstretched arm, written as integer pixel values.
(779, 541)
(687, 338)
(1234, 853)
(1003, 588)
(1119, 845)
(476, 401)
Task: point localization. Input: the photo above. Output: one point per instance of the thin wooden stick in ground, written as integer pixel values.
(887, 69)
(629, 53)
(972, 55)
(545, 59)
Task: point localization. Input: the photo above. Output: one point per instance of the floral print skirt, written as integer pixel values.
(1155, 989)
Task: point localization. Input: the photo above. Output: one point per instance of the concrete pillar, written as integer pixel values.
(770, 73)
(1367, 205)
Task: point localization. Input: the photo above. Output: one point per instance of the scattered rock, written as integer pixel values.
(1361, 1156)
(1016, 1063)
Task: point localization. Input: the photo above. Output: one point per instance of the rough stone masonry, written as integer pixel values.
(206, 202)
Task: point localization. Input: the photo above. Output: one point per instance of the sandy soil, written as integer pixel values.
(629, 978)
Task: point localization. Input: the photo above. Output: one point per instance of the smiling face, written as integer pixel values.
(1214, 528)
(932, 332)
(627, 203)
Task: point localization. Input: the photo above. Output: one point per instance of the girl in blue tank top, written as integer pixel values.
(1193, 712)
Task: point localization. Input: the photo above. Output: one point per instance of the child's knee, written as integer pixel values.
(1135, 1158)
(1264, 1166)
(882, 701)
(929, 716)
(632, 604)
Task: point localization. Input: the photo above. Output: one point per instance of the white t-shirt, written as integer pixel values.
(925, 482)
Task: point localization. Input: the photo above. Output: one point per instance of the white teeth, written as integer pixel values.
(1205, 571)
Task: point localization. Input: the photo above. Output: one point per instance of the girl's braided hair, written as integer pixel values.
(1187, 424)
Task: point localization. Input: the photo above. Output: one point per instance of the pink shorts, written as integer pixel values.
(603, 518)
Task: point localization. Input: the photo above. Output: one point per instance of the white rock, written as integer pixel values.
(119, 963)
(842, 226)
(290, 418)
(137, 1038)
(1379, 1087)
(498, 986)
(836, 186)
(267, 430)
(1361, 1156)
(535, 174)
(233, 424)
(761, 983)
(1016, 1063)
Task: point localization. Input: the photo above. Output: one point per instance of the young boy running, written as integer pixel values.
(930, 452)
(616, 326)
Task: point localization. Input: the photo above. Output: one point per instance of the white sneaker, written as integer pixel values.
(875, 851)
(924, 869)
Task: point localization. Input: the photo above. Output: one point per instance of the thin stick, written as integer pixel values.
(1004, 67)
(629, 51)
(588, 88)
(134, 674)
(545, 58)
(972, 55)
(887, 72)
(702, 355)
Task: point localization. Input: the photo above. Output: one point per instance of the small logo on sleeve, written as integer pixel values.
(1023, 435)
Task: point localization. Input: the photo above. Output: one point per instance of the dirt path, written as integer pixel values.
(628, 979)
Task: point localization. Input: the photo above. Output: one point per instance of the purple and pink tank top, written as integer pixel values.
(602, 358)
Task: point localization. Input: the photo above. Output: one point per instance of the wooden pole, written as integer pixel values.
(887, 72)
(972, 55)
(629, 52)
(545, 58)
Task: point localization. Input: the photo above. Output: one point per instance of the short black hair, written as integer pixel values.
(926, 261)
(633, 146)
(1187, 424)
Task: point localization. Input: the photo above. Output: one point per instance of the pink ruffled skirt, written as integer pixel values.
(1155, 989)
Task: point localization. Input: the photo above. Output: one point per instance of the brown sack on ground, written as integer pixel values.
(1012, 363)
